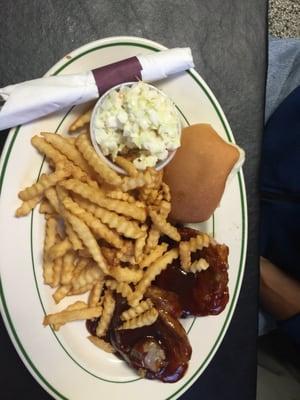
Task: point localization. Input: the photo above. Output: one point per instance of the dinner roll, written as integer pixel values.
(197, 174)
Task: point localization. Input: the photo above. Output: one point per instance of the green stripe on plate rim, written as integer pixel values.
(8, 321)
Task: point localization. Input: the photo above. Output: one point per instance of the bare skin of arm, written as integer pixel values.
(279, 293)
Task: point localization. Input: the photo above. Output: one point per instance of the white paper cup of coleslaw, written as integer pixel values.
(97, 146)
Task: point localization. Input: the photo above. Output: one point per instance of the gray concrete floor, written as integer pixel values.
(278, 375)
(284, 18)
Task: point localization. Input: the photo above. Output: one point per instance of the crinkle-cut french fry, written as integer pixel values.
(166, 192)
(163, 225)
(145, 319)
(66, 148)
(120, 287)
(149, 192)
(152, 239)
(83, 289)
(100, 303)
(155, 177)
(126, 254)
(96, 196)
(133, 312)
(128, 209)
(156, 197)
(151, 196)
(185, 255)
(47, 149)
(159, 199)
(27, 206)
(57, 268)
(91, 182)
(80, 266)
(84, 253)
(78, 173)
(59, 249)
(157, 252)
(44, 183)
(62, 193)
(98, 228)
(70, 139)
(81, 121)
(151, 272)
(71, 233)
(46, 207)
(199, 265)
(73, 237)
(198, 242)
(61, 292)
(78, 305)
(82, 263)
(125, 258)
(83, 189)
(122, 225)
(118, 195)
(65, 316)
(56, 156)
(187, 247)
(126, 165)
(132, 182)
(140, 204)
(125, 274)
(69, 266)
(49, 241)
(101, 344)
(89, 275)
(86, 149)
(139, 245)
(144, 196)
(108, 310)
(51, 196)
(165, 208)
(95, 293)
(110, 256)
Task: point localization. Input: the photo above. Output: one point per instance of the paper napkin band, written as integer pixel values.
(128, 70)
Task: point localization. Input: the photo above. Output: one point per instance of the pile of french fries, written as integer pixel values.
(102, 233)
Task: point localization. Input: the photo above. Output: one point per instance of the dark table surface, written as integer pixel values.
(228, 40)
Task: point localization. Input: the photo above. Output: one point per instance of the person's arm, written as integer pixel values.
(279, 293)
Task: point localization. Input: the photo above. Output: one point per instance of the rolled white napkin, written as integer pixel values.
(33, 99)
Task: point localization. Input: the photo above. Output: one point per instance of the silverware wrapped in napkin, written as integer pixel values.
(33, 99)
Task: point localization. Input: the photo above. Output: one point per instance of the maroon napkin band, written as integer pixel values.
(113, 74)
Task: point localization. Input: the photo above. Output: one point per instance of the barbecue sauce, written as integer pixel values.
(202, 293)
(166, 332)
(174, 293)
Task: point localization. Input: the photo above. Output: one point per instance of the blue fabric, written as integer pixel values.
(291, 327)
(280, 186)
(280, 166)
(283, 71)
(279, 235)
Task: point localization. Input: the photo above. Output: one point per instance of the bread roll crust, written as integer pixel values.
(197, 174)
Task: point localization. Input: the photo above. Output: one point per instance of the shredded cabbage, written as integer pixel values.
(137, 117)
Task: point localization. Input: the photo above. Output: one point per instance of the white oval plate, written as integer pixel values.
(65, 363)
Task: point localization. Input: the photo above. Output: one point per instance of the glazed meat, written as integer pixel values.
(202, 293)
(162, 350)
(165, 300)
(159, 351)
